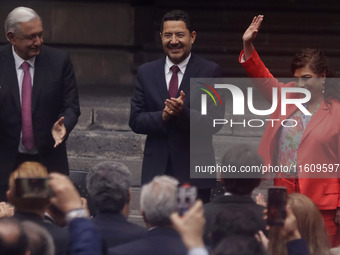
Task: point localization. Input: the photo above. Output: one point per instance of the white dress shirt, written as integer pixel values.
(168, 73)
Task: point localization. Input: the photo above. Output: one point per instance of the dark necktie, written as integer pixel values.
(26, 108)
(173, 85)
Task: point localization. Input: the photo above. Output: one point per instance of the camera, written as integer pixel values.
(32, 188)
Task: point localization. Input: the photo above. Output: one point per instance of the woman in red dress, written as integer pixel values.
(314, 141)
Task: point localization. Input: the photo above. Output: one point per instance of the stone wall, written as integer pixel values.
(98, 36)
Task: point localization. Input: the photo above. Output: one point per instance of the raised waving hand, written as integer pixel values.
(250, 34)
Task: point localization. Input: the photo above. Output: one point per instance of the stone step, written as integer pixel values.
(99, 144)
(102, 133)
(104, 143)
(136, 217)
(96, 147)
(102, 114)
(86, 163)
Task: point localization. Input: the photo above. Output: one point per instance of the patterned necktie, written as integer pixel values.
(26, 108)
(173, 85)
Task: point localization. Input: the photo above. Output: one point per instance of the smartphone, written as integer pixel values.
(277, 201)
(32, 188)
(186, 197)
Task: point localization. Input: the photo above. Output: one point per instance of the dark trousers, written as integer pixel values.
(203, 194)
(3, 190)
(21, 158)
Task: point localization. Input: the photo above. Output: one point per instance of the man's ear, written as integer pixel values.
(10, 37)
(193, 36)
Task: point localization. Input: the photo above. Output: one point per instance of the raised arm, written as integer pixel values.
(250, 34)
(253, 64)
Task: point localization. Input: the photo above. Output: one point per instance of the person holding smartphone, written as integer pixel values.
(303, 229)
(314, 140)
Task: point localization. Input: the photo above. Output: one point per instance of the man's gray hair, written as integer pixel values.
(17, 16)
(159, 199)
(108, 185)
(40, 240)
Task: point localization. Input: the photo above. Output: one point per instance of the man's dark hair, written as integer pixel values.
(234, 222)
(108, 184)
(239, 157)
(13, 240)
(240, 245)
(177, 15)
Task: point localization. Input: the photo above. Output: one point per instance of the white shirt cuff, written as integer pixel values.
(243, 59)
(198, 251)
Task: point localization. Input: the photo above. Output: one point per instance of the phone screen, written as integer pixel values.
(186, 196)
(277, 200)
(32, 188)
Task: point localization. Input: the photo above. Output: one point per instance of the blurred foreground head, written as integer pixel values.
(40, 240)
(158, 200)
(13, 239)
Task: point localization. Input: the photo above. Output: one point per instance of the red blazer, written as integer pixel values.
(320, 143)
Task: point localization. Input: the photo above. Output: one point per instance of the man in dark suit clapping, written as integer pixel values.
(158, 201)
(39, 104)
(160, 105)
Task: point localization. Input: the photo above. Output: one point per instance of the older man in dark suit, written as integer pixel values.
(160, 106)
(38, 98)
(158, 201)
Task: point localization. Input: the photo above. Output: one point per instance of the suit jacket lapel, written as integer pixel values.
(11, 78)
(40, 68)
(191, 71)
(160, 79)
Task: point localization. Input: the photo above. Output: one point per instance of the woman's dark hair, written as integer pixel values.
(316, 60)
(240, 245)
